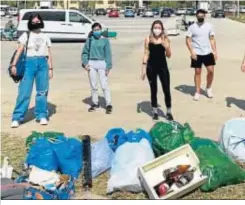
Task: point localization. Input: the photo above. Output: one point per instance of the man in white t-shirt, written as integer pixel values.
(202, 46)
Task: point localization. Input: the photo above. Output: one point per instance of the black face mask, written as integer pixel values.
(35, 26)
(200, 20)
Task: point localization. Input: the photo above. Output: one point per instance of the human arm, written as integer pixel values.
(189, 43)
(243, 64)
(145, 58)
(20, 48)
(213, 42)
(166, 44)
(49, 58)
(85, 55)
(108, 56)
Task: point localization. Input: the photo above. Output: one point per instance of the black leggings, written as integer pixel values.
(163, 74)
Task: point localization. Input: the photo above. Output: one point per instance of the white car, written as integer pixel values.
(181, 11)
(242, 9)
(148, 13)
(13, 11)
(59, 24)
(2, 13)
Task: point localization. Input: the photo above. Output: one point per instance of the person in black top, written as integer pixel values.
(157, 47)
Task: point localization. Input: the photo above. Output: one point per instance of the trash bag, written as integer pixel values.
(215, 164)
(116, 137)
(42, 156)
(169, 136)
(102, 156)
(232, 139)
(128, 158)
(69, 155)
(137, 136)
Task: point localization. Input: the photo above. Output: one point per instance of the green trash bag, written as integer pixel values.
(215, 164)
(169, 136)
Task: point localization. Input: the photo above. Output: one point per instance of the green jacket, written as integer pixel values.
(100, 49)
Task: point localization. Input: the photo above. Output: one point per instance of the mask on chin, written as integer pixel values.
(157, 32)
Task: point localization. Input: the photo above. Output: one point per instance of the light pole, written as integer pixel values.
(238, 8)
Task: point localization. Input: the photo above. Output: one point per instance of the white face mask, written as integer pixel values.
(157, 31)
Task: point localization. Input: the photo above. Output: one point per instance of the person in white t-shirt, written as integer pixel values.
(38, 67)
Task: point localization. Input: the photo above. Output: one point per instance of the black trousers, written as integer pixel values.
(163, 73)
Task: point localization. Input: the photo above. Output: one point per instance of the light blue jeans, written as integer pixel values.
(36, 68)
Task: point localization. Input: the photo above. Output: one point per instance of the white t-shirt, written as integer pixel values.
(38, 44)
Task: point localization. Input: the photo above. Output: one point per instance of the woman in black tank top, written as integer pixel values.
(157, 48)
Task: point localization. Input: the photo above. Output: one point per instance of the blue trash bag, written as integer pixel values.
(42, 156)
(128, 158)
(138, 135)
(69, 155)
(232, 139)
(102, 156)
(116, 137)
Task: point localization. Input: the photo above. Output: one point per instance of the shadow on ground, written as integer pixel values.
(30, 115)
(239, 103)
(88, 101)
(145, 106)
(188, 89)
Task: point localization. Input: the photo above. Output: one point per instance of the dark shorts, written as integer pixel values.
(207, 60)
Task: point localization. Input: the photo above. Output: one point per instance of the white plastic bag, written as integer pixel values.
(232, 139)
(128, 158)
(102, 156)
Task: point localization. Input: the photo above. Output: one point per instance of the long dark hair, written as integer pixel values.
(164, 36)
(29, 25)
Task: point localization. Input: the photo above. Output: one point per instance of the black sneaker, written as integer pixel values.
(109, 109)
(169, 117)
(155, 116)
(93, 108)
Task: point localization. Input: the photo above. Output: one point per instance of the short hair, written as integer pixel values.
(201, 11)
(29, 25)
(96, 25)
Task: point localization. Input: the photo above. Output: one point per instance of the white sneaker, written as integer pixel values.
(196, 96)
(209, 93)
(43, 121)
(15, 124)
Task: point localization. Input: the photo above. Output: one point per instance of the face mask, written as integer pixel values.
(157, 31)
(200, 20)
(35, 26)
(97, 34)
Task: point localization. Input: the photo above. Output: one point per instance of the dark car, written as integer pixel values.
(190, 12)
(140, 12)
(166, 13)
(218, 14)
(100, 12)
(156, 11)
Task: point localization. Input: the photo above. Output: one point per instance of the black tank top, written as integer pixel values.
(157, 56)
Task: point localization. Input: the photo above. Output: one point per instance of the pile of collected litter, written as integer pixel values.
(167, 162)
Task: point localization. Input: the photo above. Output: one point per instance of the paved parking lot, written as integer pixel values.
(69, 90)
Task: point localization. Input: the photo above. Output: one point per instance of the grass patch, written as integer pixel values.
(14, 148)
(240, 19)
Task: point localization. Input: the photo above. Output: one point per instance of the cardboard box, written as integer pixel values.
(151, 174)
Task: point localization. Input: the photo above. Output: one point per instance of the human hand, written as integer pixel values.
(143, 76)
(215, 56)
(51, 73)
(107, 72)
(193, 55)
(13, 70)
(243, 66)
(87, 68)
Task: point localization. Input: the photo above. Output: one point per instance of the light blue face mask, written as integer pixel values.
(97, 34)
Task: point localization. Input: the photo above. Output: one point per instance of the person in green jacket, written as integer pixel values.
(97, 60)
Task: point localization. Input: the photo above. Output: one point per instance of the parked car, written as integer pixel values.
(13, 11)
(60, 24)
(121, 11)
(242, 9)
(190, 12)
(180, 11)
(140, 12)
(129, 13)
(100, 12)
(166, 13)
(2, 12)
(156, 11)
(218, 14)
(108, 10)
(148, 13)
(114, 13)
